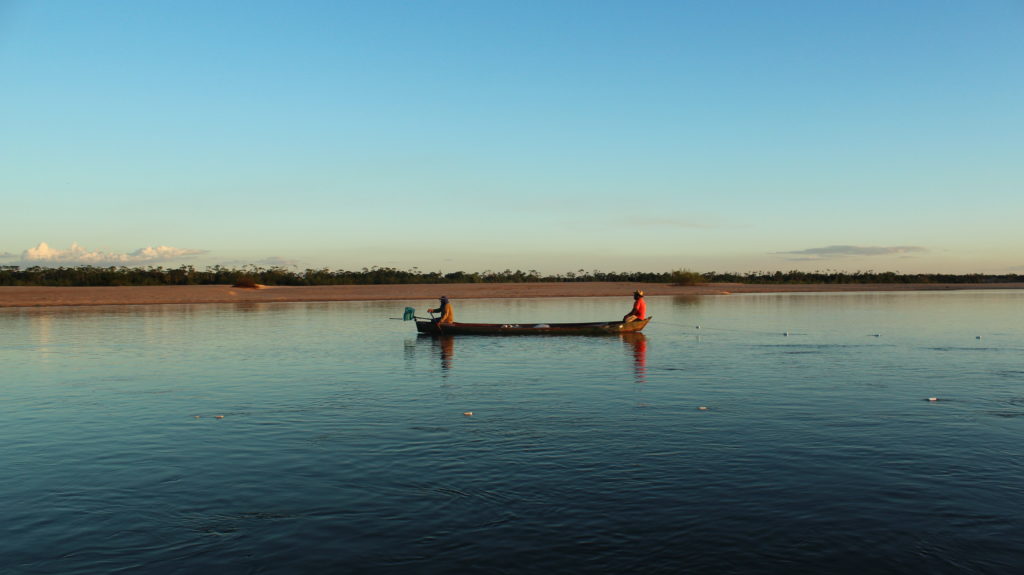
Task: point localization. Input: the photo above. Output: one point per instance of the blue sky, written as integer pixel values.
(535, 135)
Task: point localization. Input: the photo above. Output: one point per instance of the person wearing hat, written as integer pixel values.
(639, 310)
(445, 311)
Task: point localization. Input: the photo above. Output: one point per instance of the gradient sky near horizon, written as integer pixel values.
(537, 135)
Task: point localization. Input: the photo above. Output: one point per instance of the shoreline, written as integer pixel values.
(41, 296)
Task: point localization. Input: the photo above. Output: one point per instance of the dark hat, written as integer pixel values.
(444, 299)
(639, 293)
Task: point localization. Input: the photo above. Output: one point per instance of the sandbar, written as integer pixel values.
(35, 296)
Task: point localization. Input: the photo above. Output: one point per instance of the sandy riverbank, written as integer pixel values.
(93, 296)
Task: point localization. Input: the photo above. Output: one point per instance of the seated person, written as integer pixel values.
(445, 311)
(639, 310)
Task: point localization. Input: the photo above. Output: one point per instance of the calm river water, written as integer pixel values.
(788, 433)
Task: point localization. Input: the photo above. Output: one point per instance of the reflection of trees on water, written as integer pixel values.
(686, 300)
(637, 343)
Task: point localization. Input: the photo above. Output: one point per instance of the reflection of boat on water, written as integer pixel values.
(636, 340)
(442, 347)
(591, 328)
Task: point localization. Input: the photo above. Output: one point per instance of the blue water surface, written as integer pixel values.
(840, 433)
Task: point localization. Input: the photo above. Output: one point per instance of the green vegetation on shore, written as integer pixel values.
(187, 275)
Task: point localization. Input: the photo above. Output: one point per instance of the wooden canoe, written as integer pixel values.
(593, 328)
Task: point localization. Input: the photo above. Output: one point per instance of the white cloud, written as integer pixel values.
(77, 255)
(277, 262)
(845, 251)
(273, 262)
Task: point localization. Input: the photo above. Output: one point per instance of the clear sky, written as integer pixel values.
(536, 135)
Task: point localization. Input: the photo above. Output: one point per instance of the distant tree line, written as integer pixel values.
(188, 275)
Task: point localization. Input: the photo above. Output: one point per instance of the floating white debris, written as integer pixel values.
(197, 417)
(467, 413)
(219, 416)
(703, 408)
(933, 399)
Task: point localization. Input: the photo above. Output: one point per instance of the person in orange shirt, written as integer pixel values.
(639, 310)
(445, 311)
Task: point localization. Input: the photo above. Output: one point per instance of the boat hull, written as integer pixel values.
(593, 328)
